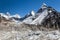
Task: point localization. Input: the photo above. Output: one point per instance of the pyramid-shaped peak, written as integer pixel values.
(17, 16)
(44, 6)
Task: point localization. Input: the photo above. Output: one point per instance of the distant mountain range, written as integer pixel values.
(46, 16)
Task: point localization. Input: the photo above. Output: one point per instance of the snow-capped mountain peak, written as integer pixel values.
(9, 17)
(5, 16)
(33, 13)
(44, 3)
(44, 6)
(16, 16)
(50, 11)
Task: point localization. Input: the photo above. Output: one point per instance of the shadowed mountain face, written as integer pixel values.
(52, 19)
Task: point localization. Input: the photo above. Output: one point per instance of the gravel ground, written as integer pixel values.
(27, 32)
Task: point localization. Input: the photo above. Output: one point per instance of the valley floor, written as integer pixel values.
(23, 31)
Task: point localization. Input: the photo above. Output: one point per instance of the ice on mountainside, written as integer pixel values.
(44, 6)
(16, 16)
(33, 13)
(40, 18)
(7, 16)
(30, 17)
(28, 20)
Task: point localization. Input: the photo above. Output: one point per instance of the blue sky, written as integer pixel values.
(22, 7)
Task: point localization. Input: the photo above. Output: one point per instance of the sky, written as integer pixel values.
(22, 7)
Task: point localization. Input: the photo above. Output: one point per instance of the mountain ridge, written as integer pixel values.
(36, 18)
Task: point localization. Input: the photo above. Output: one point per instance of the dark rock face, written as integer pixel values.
(52, 19)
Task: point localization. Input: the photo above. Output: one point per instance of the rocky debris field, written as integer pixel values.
(12, 31)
